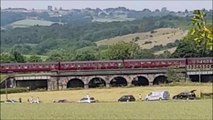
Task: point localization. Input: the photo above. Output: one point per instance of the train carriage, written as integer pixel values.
(28, 67)
(107, 64)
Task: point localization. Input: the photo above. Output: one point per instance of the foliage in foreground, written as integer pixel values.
(199, 41)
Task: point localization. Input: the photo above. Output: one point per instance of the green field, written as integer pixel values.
(43, 57)
(111, 19)
(29, 22)
(164, 110)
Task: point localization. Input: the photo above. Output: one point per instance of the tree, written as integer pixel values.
(174, 76)
(18, 57)
(34, 58)
(6, 57)
(144, 54)
(186, 48)
(203, 34)
(198, 42)
(123, 50)
(58, 55)
(85, 55)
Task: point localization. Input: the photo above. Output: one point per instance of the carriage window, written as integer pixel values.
(72, 65)
(105, 64)
(119, 64)
(85, 65)
(199, 61)
(52, 66)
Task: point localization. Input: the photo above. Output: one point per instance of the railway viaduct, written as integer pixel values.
(101, 78)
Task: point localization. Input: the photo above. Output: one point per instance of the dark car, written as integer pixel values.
(126, 98)
(186, 95)
(10, 101)
(61, 101)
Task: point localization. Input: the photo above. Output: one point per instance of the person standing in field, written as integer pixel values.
(20, 101)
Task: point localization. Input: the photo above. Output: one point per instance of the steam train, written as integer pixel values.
(109, 64)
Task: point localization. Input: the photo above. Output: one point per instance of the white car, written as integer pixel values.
(158, 95)
(88, 100)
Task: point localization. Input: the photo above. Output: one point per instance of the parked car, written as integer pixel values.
(87, 100)
(186, 95)
(126, 98)
(61, 101)
(11, 101)
(158, 95)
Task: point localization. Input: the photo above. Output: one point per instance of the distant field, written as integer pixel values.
(106, 94)
(111, 19)
(145, 110)
(29, 22)
(42, 57)
(147, 40)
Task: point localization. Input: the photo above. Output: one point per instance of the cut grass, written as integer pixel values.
(148, 110)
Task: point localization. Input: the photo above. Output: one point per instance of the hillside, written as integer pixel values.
(148, 40)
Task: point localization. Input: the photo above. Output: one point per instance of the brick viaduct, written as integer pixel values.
(101, 78)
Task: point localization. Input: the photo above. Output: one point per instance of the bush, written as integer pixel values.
(14, 90)
(147, 42)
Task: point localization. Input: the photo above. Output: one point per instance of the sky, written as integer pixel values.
(173, 5)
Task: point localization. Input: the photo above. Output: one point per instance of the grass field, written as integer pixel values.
(108, 108)
(106, 94)
(29, 22)
(145, 110)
